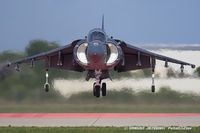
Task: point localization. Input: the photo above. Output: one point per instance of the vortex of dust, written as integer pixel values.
(69, 87)
(184, 55)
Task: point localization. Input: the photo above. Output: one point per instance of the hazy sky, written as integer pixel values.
(134, 21)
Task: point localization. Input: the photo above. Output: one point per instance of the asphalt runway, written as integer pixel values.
(99, 119)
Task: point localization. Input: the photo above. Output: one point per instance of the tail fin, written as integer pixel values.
(102, 26)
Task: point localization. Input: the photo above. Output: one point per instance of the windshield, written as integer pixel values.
(97, 35)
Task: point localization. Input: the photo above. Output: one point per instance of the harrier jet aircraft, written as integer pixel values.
(97, 54)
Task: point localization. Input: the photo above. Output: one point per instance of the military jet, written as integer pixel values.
(98, 54)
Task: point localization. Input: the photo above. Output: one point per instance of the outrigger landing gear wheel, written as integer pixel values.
(103, 89)
(153, 88)
(46, 87)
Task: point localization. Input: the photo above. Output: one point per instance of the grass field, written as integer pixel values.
(164, 101)
(98, 107)
(88, 130)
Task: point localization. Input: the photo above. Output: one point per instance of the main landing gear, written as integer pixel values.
(98, 87)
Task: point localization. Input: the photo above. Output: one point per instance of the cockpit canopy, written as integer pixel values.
(96, 35)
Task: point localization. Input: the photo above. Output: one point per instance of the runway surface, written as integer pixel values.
(100, 119)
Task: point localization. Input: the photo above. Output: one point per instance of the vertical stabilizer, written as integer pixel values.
(102, 26)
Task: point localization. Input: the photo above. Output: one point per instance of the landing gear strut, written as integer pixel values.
(153, 84)
(152, 74)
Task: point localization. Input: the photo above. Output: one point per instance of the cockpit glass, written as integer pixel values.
(96, 35)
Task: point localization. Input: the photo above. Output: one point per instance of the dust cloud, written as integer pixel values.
(4, 70)
(190, 84)
(69, 87)
(192, 57)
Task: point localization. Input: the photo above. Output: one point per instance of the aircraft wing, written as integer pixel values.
(61, 58)
(142, 58)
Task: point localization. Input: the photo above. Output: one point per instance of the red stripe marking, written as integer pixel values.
(93, 115)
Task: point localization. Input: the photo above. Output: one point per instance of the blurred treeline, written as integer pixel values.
(27, 85)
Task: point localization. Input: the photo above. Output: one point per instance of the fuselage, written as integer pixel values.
(97, 51)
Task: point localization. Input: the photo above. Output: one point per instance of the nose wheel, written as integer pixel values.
(97, 89)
